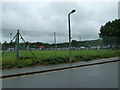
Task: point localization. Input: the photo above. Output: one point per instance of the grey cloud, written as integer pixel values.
(38, 21)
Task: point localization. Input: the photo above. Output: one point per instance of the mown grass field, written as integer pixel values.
(48, 57)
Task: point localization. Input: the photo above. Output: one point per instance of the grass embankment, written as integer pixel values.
(48, 57)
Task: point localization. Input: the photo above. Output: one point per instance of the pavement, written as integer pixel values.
(41, 69)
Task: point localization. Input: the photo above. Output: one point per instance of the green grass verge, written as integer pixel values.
(49, 57)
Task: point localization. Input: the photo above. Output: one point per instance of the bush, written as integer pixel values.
(7, 65)
(22, 63)
(55, 60)
(84, 58)
(35, 61)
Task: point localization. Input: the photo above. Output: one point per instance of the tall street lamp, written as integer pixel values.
(70, 33)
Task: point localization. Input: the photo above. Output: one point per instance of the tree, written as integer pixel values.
(0, 46)
(74, 43)
(4, 45)
(110, 32)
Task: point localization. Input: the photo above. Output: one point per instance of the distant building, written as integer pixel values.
(41, 47)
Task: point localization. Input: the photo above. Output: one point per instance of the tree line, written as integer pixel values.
(36, 45)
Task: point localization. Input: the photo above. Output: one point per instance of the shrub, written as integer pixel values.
(55, 60)
(22, 63)
(35, 61)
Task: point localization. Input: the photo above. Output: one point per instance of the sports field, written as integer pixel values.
(48, 57)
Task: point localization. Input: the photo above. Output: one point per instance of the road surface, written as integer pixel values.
(95, 76)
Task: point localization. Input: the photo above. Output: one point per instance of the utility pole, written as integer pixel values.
(10, 37)
(17, 45)
(10, 40)
(55, 39)
(79, 41)
(55, 43)
(79, 37)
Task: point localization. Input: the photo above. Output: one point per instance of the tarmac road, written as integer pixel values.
(95, 76)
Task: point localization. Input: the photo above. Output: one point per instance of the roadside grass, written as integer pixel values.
(49, 57)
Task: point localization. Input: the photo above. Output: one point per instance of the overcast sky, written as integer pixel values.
(39, 20)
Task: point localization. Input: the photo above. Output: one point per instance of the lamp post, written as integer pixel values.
(70, 33)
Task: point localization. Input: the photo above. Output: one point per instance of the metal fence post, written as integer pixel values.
(17, 45)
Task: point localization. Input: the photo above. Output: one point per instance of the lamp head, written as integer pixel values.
(73, 11)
